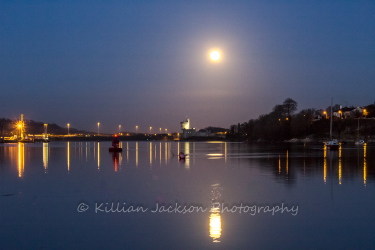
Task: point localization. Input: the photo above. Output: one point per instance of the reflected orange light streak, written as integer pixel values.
(225, 152)
(86, 151)
(115, 164)
(340, 168)
(150, 154)
(364, 164)
(325, 164)
(127, 151)
(68, 152)
(178, 150)
(187, 153)
(136, 154)
(45, 157)
(166, 153)
(21, 159)
(215, 225)
(98, 156)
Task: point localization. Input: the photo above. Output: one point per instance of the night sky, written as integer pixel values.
(147, 63)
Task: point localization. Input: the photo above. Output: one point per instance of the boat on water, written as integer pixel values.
(115, 145)
(332, 144)
(115, 149)
(181, 155)
(360, 142)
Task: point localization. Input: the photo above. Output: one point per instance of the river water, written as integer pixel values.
(62, 195)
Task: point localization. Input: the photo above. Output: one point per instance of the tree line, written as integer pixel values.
(283, 123)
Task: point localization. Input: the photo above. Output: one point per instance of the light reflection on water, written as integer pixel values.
(330, 158)
(212, 172)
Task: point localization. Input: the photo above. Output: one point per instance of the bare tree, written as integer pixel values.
(290, 106)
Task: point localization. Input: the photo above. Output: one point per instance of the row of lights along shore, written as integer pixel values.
(119, 129)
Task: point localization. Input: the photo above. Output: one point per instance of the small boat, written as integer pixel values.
(332, 145)
(360, 142)
(181, 156)
(115, 149)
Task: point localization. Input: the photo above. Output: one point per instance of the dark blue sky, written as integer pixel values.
(146, 63)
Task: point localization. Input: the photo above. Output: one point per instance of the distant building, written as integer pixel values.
(186, 131)
(185, 124)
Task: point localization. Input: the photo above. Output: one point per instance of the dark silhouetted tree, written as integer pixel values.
(290, 106)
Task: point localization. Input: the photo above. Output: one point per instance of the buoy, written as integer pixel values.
(181, 155)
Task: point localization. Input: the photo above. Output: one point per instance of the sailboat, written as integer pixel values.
(359, 142)
(333, 144)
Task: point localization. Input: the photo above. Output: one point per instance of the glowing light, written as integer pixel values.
(364, 165)
(150, 154)
(136, 154)
(178, 150)
(340, 169)
(98, 156)
(45, 157)
(215, 226)
(225, 151)
(21, 159)
(325, 164)
(68, 158)
(127, 151)
(166, 153)
(215, 55)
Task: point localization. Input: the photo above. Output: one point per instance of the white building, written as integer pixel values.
(186, 130)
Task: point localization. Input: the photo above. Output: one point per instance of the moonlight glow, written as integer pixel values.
(215, 55)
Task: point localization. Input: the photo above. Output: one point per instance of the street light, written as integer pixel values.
(136, 129)
(160, 130)
(150, 129)
(365, 112)
(98, 127)
(166, 131)
(68, 127)
(119, 128)
(325, 113)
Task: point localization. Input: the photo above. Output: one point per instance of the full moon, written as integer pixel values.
(215, 55)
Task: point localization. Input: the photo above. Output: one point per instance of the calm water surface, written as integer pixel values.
(62, 195)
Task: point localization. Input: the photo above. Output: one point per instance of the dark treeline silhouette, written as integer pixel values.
(283, 123)
(8, 128)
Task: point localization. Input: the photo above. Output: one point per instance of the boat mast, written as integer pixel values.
(358, 131)
(330, 127)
